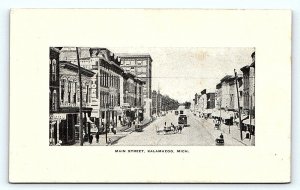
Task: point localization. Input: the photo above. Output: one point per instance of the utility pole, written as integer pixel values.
(80, 100)
(250, 112)
(99, 96)
(106, 118)
(237, 94)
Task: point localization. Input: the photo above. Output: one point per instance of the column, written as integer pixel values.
(57, 126)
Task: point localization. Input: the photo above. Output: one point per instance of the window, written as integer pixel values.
(53, 74)
(75, 90)
(62, 90)
(139, 69)
(144, 69)
(69, 92)
(139, 62)
(87, 93)
(127, 62)
(54, 101)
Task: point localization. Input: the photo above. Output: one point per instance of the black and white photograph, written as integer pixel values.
(150, 96)
(133, 96)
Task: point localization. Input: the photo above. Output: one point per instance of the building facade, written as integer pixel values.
(133, 97)
(107, 83)
(64, 100)
(141, 66)
(249, 95)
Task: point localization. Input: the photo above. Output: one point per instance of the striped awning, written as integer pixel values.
(247, 122)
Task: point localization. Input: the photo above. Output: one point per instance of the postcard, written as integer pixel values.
(150, 96)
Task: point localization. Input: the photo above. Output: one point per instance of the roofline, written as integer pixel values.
(128, 55)
(73, 66)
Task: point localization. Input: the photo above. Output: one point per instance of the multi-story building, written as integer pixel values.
(229, 98)
(206, 103)
(64, 100)
(156, 103)
(249, 94)
(133, 98)
(141, 66)
(106, 83)
(218, 96)
(229, 93)
(53, 94)
(249, 85)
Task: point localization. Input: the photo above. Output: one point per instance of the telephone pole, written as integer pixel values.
(80, 100)
(237, 94)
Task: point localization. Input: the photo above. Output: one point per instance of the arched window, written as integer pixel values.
(53, 70)
(50, 99)
(62, 90)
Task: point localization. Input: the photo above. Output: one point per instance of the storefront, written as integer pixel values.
(64, 127)
(249, 125)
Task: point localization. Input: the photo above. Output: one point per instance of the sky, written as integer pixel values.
(181, 72)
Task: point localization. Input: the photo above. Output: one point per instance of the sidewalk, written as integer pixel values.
(112, 138)
(234, 132)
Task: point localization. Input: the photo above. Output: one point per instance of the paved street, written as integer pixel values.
(200, 132)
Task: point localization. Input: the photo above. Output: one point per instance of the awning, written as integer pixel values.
(247, 122)
(94, 114)
(88, 119)
(216, 113)
(243, 117)
(227, 114)
(208, 111)
(118, 109)
(53, 123)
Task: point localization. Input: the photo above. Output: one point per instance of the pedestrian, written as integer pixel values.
(114, 130)
(91, 139)
(221, 136)
(97, 137)
(180, 128)
(102, 127)
(110, 127)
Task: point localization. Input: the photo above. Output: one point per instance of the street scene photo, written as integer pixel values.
(151, 96)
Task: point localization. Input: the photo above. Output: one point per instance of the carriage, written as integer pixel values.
(166, 130)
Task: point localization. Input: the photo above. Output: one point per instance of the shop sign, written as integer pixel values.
(57, 116)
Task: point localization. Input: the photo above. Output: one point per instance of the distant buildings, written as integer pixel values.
(162, 103)
(205, 103)
(224, 101)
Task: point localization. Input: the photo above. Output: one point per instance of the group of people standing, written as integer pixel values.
(110, 128)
